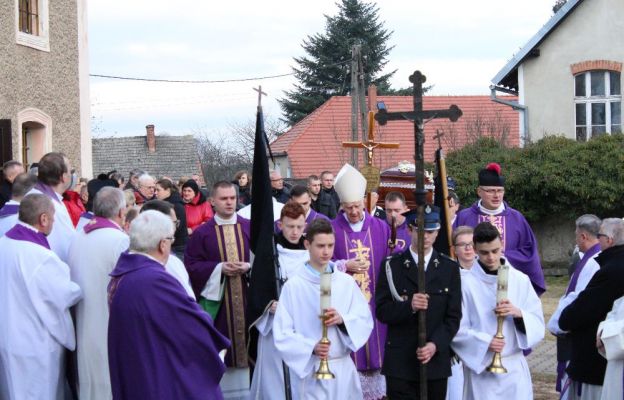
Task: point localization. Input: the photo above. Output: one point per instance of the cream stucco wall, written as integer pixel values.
(593, 31)
(44, 81)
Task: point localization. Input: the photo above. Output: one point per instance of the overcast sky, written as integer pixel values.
(459, 45)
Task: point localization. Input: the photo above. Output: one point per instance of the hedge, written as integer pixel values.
(554, 176)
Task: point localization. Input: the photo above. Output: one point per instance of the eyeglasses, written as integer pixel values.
(466, 246)
(599, 235)
(171, 238)
(493, 191)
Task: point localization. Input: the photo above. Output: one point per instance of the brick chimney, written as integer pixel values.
(151, 138)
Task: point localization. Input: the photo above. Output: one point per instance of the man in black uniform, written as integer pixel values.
(398, 304)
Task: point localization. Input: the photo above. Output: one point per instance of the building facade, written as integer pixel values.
(44, 81)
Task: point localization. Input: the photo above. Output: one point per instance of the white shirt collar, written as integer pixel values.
(357, 227)
(223, 221)
(427, 256)
(484, 210)
(32, 228)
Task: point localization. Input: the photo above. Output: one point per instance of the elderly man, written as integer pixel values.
(586, 236)
(92, 257)
(22, 184)
(362, 244)
(152, 318)
(133, 179)
(146, 189)
(217, 259)
(519, 243)
(10, 170)
(35, 296)
(54, 178)
(399, 303)
(281, 193)
(395, 208)
(586, 370)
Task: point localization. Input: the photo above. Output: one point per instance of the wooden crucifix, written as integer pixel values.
(418, 116)
(370, 172)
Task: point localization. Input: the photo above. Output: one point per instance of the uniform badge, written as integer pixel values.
(435, 263)
(406, 263)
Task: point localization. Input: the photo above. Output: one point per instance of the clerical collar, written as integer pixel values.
(427, 256)
(282, 241)
(222, 221)
(484, 210)
(487, 271)
(357, 227)
(328, 269)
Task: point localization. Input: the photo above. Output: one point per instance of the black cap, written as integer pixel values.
(491, 176)
(432, 218)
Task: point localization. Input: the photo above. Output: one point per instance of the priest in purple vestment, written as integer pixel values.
(161, 344)
(362, 242)
(217, 260)
(519, 243)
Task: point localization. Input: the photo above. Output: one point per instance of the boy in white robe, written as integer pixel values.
(297, 327)
(92, 257)
(523, 326)
(35, 296)
(610, 343)
(268, 376)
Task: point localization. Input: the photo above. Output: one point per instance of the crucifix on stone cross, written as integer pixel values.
(418, 116)
(260, 94)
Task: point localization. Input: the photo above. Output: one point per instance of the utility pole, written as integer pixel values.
(355, 56)
(361, 93)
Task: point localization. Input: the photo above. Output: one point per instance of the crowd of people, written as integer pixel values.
(139, 289)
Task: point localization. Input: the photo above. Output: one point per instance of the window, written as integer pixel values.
(31, 24)
(29, 16)
(598, 103)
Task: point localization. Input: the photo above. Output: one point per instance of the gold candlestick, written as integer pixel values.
(496, 366)
(323, 370)
(502, 280)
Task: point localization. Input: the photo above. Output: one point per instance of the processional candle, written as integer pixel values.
(325, 291)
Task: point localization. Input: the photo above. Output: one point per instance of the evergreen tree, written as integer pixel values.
(558, 4)
(326, 69)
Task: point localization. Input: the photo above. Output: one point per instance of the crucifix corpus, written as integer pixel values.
(370, 172)
(418, 116)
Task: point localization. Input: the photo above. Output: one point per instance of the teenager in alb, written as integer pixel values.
(523, 325)
(268, 377)
(297, 327)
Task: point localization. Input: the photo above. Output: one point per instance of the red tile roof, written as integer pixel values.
(314, 143)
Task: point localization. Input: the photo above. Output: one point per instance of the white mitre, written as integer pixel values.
(350, 184)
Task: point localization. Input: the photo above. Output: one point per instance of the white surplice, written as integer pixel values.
(35, 296)
(176, 268)
(92, 257)
(268, 376)
(611, 332)
(297, 329)
(8, 221)
(63, 230)
(478, 326)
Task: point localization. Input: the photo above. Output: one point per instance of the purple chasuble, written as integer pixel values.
(99, 223)
(9, 209)
(371, 244)
(208, 246)
(161, 344)
(518, 240)
(48, 191)
(20, 232)
(592, 251)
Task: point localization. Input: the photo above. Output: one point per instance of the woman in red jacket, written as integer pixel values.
(198, 209)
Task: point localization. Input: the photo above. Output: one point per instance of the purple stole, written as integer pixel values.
(498, 221)
(48, 191)
(22, 233)
(592, 251)
(9, 209)
(99, 223)
(403, 238)
(370, 244)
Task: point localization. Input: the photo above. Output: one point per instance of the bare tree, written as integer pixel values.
(218, 157)
(472, 128)
(244, 135)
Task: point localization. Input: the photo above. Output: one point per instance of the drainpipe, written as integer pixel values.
(515, 105)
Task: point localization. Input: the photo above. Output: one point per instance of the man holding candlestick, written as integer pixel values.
(297, 328)
(487, 295)
(398, 304)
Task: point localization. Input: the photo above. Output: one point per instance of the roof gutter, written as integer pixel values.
(515, 105)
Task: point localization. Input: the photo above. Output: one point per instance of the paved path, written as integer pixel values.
(543, 359)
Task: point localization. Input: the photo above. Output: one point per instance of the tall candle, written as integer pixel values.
(325, 291)
(501, 283)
